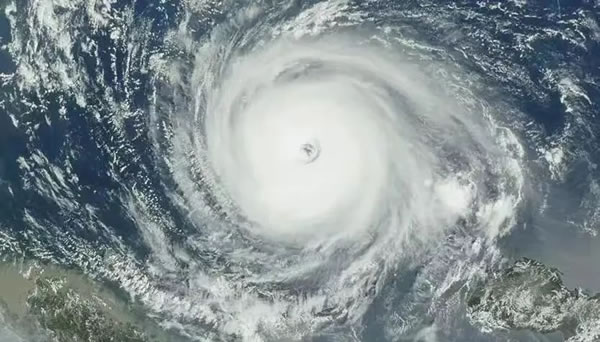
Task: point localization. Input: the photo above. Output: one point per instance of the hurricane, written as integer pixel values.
(300, 170)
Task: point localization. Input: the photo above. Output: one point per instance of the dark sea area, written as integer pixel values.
(113, 226)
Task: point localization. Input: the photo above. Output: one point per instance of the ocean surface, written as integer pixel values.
(290, 170)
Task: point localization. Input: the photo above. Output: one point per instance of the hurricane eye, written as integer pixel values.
(310, 152)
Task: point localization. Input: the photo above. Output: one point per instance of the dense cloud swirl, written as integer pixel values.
(303, 170)
(328, 161)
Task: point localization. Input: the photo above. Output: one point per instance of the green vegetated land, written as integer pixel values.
(69, 317)
(63, 307)
(531, 295)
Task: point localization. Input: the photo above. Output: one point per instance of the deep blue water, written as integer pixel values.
(106, 163)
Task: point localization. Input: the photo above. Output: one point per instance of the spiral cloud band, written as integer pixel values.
(298, 170)
(316, 139)
(316, 165)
